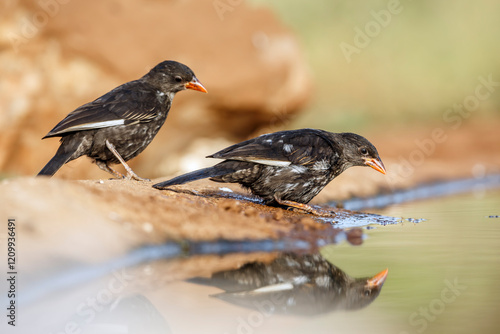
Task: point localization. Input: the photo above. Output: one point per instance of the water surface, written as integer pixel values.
(443, 277)
(458, 245)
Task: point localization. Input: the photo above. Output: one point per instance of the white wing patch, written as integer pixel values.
(274, 288)
(279, 163)
(97, 125)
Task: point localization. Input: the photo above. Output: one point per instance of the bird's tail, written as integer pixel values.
(62, 156)
(204, 173)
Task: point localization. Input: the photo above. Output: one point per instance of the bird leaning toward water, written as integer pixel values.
(119, 125)
(287, 168)
(300, 284)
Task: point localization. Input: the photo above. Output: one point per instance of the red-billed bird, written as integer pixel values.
(295, 284)
(119, 125)
(288, 168)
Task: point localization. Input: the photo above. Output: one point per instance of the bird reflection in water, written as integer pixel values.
(295, 284)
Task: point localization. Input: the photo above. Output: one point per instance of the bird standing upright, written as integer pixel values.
(288, 168)
(119, 125)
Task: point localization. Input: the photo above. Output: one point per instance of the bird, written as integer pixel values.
(298, 284)
(119, 125)
(287, 168)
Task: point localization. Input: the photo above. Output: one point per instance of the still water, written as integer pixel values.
(443, 277)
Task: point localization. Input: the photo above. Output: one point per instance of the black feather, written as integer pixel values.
(62, 156)
(128, 117)
(291, 166)
(193, 176)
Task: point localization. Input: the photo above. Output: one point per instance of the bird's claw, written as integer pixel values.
(133, 176)
(324, 213)
(305, 208)
(315, 211)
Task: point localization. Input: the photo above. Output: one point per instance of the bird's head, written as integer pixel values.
(172, 77)
(358, 151)
(362, 291)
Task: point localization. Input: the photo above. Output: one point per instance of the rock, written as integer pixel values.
(56, 57)
(92, 221)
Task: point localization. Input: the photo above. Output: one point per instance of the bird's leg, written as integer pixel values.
(104, 166)
(114, 171)
(304, 207)
(130, 172)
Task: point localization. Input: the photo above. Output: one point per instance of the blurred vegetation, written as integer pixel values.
(428, 57)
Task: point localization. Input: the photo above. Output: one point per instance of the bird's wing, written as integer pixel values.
(265, 290)
(132, 102)
(299, 147)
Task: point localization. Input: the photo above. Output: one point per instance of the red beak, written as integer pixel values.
(376, 164)
(196, 85)
(378, 280)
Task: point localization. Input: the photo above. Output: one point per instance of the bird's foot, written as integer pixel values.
(305, 207)
(130, 173)
(315, 211)
(105, 167)
(133, 176)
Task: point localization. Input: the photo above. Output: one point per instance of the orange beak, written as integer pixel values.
(376, 164)
(378, 280)
(196, 85)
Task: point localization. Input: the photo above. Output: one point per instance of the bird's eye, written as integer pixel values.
(178, 79)
(367, 293)
(363, 151)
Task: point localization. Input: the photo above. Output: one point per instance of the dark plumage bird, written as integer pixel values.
(119, 125)
(288, 168)
(295, 284)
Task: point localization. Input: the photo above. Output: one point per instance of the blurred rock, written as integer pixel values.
(91, 221)
(56, 55)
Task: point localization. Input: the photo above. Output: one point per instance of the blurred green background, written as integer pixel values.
(457, 244)
(428, 57)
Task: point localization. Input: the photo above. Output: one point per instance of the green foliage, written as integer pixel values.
(427, 57)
